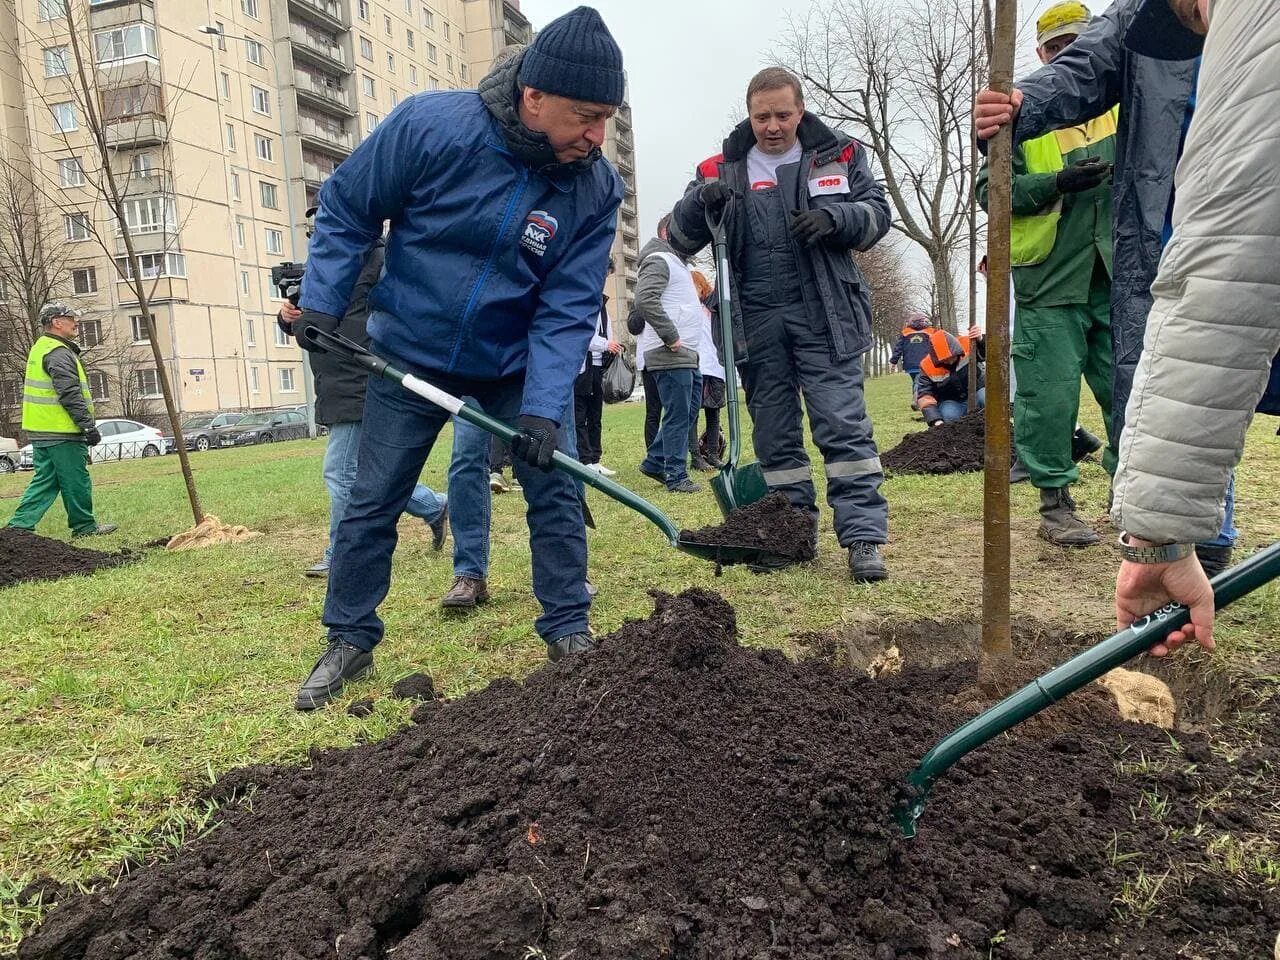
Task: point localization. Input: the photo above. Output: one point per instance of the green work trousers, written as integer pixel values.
(60, 468)
(1052, 348)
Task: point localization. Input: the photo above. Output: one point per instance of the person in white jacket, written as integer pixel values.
(1215, 324)
(705, 451)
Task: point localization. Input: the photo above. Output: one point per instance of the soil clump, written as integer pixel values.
(954, 447)
(771, 524)
(29, 556)
(676, 795)
(416, 686)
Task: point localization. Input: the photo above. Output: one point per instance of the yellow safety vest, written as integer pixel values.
(1033, 235)
(41, 409)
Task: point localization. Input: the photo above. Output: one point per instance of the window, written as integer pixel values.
(370, 90)
(255, 384)
(235, 186)
(364, 10)
(155, 265)
(125, 43)
(84, 281)
(262, 147)
(70, 173)
(90, 333)
(261, 100)
(282, 338)
(55, 62)
(224, 81)
(366, 48)
(250, 8)
(413, 76)
(408, 6)
(428, 19)
(138, 328)
(98, 385)
(255, 52)
(409, 39)
(230, 136)
(76, 226)
(51, 9)
(445, 25)
(141, 165)
(433, 84)
(244, 282)
(391, 63)
(239, 232)
(462, 41)
(269, 195)
(395, 99)
(150, 215)
(370, 122)
(462, 70)
(386, 24)
(222, 35)
(431, 52)
(286, 380)
(132, 101)
(250, 331)
(64, 116)
(448, 62)
(275, 240)
(147, 382)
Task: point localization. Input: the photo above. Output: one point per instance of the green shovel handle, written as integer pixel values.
(721, 247)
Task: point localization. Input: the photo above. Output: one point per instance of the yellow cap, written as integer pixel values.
(1061, 20)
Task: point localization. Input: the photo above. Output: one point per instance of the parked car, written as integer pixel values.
(321, 429)
(9, 455)
(121, 440)
(265, 427)
(201, 431)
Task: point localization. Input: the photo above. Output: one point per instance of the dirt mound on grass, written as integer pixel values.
(29, 556)
(955, 447)
(674, 795)
(771, 524)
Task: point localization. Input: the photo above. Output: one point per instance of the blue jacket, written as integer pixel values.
(495, 259)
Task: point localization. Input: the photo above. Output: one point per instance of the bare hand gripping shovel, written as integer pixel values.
(1258, 570)
(349, 350)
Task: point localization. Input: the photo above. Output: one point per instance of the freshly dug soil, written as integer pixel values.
(29, 556)
(416, 686)
(955, 447)
(771, 524)
(675, 795)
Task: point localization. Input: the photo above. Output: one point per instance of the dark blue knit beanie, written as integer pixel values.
(575, 56)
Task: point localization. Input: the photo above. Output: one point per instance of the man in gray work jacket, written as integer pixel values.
(803, 200)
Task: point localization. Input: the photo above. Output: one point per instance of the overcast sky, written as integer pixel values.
(688, 63)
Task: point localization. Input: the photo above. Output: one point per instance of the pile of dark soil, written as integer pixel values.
(674, 795)
(955, 447)
(29, 556)
(771, 524)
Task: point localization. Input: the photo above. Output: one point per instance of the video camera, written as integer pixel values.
(287, 278)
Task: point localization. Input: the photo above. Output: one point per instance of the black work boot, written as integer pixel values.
(340, 664)
(1213, 560)
(1083, 443)
(439, 529)
(865, 563)
(465, 594)
(568, 646)
(1059, 523)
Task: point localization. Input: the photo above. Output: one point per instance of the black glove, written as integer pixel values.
(92, 436)
(715, 197)
(812, 226)
(536, 441)
(1083, 175)
(312, 318)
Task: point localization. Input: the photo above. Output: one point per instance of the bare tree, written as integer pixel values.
(899, 75)
(892, 294)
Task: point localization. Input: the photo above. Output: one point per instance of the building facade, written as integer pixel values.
(222, 118)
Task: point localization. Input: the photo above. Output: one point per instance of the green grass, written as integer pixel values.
(121, 695)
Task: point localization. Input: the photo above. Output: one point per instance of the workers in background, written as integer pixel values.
(1061, 256)
(911, 348)
(942, 385)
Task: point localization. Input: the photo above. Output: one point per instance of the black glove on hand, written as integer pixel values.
(536, 442)
(810, 227)
(1083, 175)
(93, 437)
(312, 318)
(715, 197)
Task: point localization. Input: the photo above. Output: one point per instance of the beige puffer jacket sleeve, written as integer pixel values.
(1215, 323)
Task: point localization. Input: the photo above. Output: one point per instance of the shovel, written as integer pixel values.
(1260, 569)
(717, 553)
(735, 486)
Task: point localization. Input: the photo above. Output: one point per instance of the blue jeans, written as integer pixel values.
(1229, 533)
(342, 460)
(471, 501)
(399, 432)
(669, 453)
(954, 409)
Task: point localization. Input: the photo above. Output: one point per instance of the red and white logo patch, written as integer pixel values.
(820, 186)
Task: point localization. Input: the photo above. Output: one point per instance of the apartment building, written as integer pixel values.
(223, 118)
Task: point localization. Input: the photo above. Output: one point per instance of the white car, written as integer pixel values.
(9, 455)
(121, 440)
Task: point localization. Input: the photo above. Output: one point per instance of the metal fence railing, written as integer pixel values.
(126, 450)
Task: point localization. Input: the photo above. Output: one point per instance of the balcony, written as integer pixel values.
(629, 205)
(327, 13)
(316, 168)
(327, 96)
(318, 48)
(140, 185)
(623, 119)
(623, 163)
(515, 25)
(145, 130)
(158, 290)
(331, 138)
(104, 14)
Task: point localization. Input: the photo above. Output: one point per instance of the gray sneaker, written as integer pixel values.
(497, 483)
(318, 570)
(439, 529)
(101, 530)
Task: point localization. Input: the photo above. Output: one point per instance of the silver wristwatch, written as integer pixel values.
(1160, 553)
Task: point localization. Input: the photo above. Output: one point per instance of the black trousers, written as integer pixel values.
(712, 446)
(652, 407)
(499, 455)
(588, 412)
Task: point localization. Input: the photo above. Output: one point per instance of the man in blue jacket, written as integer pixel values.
(502, 212)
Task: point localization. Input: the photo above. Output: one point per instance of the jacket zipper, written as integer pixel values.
(488, 266)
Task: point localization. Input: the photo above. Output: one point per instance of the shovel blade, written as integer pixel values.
(739, 486)
(722, 553)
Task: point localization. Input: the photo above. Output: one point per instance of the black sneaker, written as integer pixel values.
(865, 563)
(1083, 443)
(340, 664)
(684, 486)
(568, 646)
(652, 475)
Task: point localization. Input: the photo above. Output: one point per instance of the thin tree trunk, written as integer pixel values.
(973, 202)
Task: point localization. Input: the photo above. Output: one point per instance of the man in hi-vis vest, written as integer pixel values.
(57, 416)
(1061, 256)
